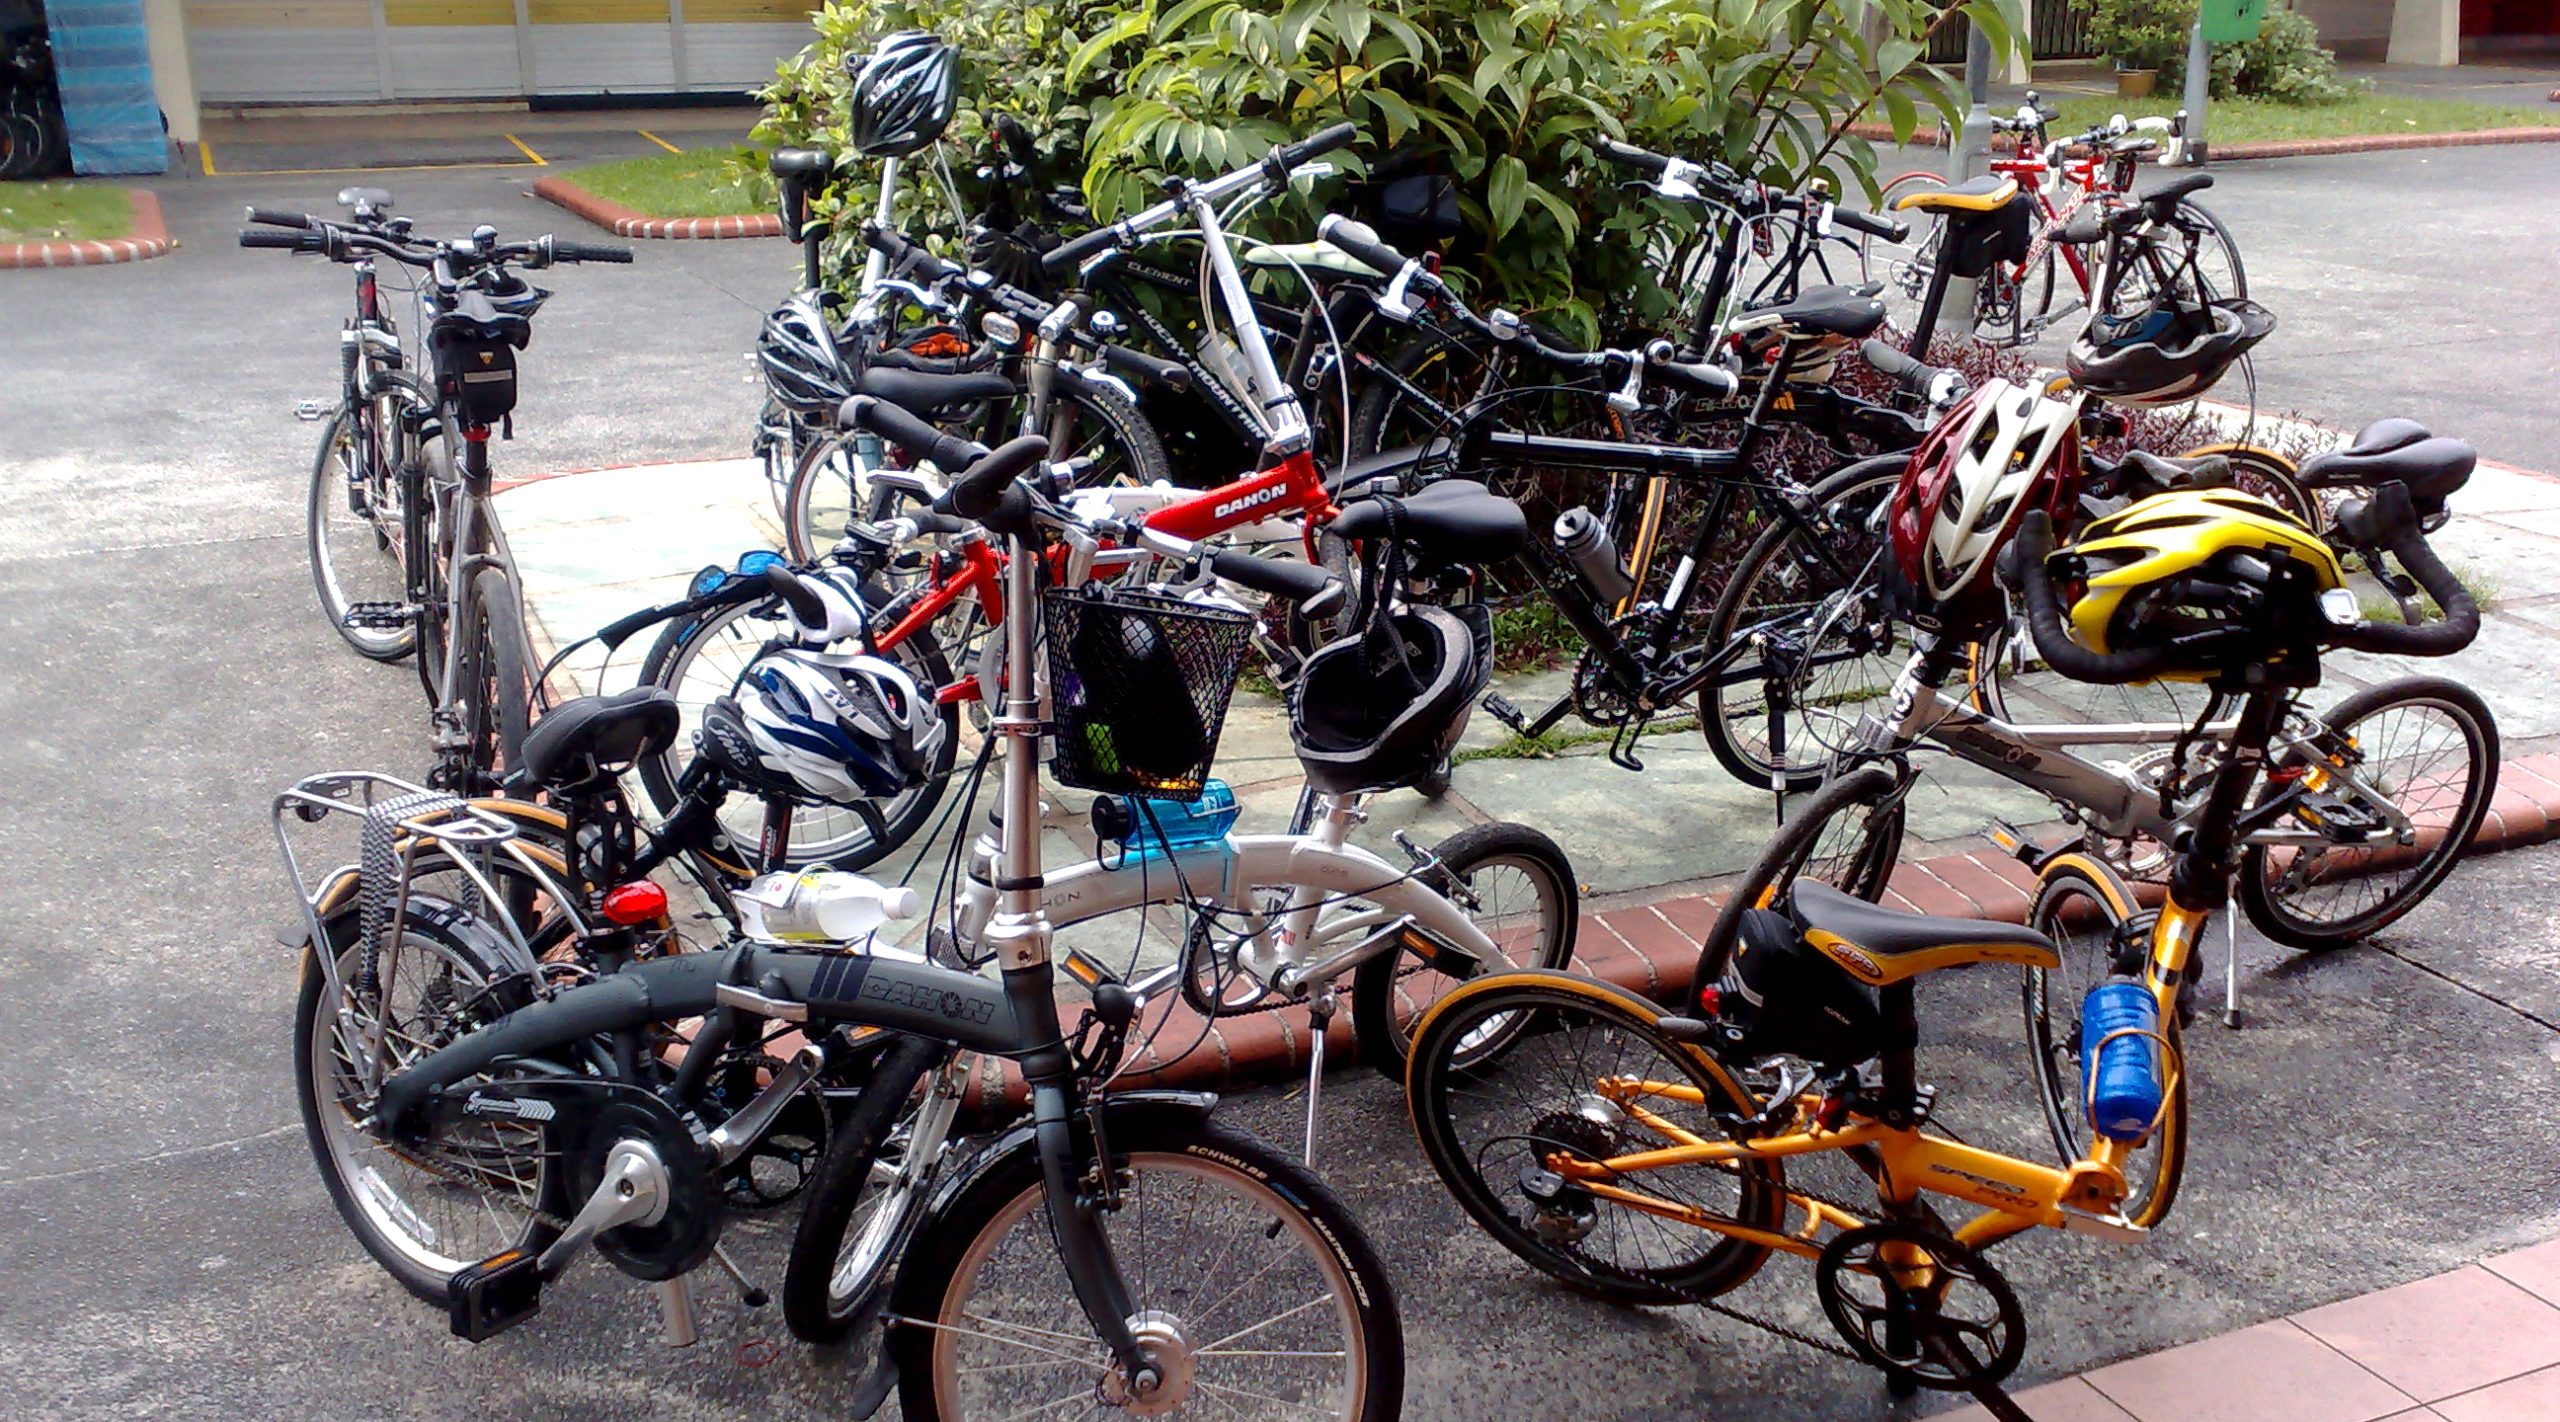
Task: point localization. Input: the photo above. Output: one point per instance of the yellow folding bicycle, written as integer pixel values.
(1659, 1157)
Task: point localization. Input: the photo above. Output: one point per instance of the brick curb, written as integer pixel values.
(2282, 148)
(149, 238)
(1652, 948)
(623, 222)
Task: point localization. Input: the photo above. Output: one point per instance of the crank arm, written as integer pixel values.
(734, 1136)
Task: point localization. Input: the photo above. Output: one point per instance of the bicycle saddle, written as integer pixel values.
(801, 162)
(597, 735)
(1988, 193)
(1383, 472)
(1830, 311)
(2397, 451)
(2163, 199)
(475, 315)
(2143, 473)
(1454, 521)
(923, 393)
(1877, 945)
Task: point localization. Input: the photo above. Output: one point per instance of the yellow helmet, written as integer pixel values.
(2222, 572)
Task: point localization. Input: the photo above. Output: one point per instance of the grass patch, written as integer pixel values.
(2242, 120)
(711, 182)
(1556, 743)
(2376, 605)
(52, 212)
(1532, 636)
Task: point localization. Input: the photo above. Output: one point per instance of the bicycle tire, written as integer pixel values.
(2239, 279)
(329, 498)
(473, 945)
(2270, 476)
(2070, 890)
(821, 1303)
(494, 679)
(817, 834)
(1782, 575)
(1387, 992)
(2281, 914)
(1858, 858)
(1440, 1097)
(1383, 415)
(1281, 1201)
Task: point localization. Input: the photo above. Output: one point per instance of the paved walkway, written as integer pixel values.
(2480, 1344)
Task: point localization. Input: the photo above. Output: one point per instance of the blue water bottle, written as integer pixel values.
(2120, 1058)
(1154, 829)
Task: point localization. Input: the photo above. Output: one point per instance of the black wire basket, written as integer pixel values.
(1138, 685)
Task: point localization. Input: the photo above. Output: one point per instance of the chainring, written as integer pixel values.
(1596, 699)
(1887, 1288)
(683, 1237)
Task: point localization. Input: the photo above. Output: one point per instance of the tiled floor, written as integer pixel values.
(2481, 1344)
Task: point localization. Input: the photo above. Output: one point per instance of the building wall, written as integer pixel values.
(2356, 29)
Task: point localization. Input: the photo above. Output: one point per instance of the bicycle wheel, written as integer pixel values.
(2427, 748)
(1846, 834)
(474, 1188)
(851, 1232)
(2218, 265)
(2085, 908)
(2270, 476)
(1815, 588)
(1420, 387)
(701, 659)
(1516, 885)
(353, 527)
(495, 685)
(1905, 267)
(1258, 1292)
(1496, 1133)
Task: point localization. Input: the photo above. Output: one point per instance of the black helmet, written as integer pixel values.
(801, 366)
(1384, 707)
(2166, 353)
(903, 94)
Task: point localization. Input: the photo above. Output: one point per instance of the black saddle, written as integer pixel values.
(926, 393)
(2397, 451)
(2144, 473)
(1383, 472)
(1832, 311)
(592, 736)
(1878, 945)
(2163, 199)
(1454, 522)
(789, 163)
(473, 315)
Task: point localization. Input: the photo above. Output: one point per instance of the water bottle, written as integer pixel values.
(1124, 821)
(2120, 1058)
(1580, 538)
(820, 906)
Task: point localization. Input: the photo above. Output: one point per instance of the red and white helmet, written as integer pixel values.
(2001, 451)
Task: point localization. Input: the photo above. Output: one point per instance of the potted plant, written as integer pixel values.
(2142, 37)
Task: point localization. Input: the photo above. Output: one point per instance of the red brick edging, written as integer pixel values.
(1653, 948)
(623, 222)
(149, 238)
(2284, 148)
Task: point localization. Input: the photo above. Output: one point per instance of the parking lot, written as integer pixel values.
(170, 1251)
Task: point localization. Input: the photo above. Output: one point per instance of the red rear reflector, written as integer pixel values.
(634, 904)
(1711, 1001)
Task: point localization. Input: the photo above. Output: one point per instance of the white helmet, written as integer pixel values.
(842, 728)
(839, 594)
(2000, 452)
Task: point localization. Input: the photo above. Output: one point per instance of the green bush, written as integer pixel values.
(2285, 63)
(2142, 34)
(1506, 98)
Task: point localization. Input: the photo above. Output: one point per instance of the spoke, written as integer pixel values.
(1317, 1302)
(1282, 1403)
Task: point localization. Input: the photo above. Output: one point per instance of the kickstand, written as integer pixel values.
(2231, 967)
(1319, 1017)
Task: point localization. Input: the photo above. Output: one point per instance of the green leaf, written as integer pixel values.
(1558, 209)
(1507, 193)
(1901, 113)
(1895, 55)
(1129, 25)
(1399, 115)
(1176, 19)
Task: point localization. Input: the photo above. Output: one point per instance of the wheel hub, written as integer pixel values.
(1169, 1358)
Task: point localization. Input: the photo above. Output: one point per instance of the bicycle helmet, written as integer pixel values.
(846, 618)
(825, 726)
(1981, 468)
(802, 367)
(1384, 708)
(903, 94)
(2224, 575)
(2167, 353)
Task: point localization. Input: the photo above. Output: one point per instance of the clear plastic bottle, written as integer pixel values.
(820, 906)
(2120, 1058)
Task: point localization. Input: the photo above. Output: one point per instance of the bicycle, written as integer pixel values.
(966, 1317)
(1651, 1162)
(33, 142)
(457, 574)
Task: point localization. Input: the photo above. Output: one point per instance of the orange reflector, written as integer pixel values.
(631, 905)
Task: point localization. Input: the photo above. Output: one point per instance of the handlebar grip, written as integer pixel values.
(1627, 155)
(1905, 369)
(613, 634)
(1699, 376)
(2023, 561)
(1316, 145)
(1016, 140)
(1071, 254)
(1891, 229)
(1315, 591)
(270, 217)
(949, 452)
(907, 253)
(588, 252)
(1362, 242)
(287, 241)
(1172, 375)
(975, 494)
(2388, 521)
(796, 595)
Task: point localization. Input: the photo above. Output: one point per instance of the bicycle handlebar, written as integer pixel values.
(286, 241)
(1364, 245)
(1274, 170)
(2023, 562)
(796, 595)
(560, 251)
(1627, 155)
(271, 217)
(918, 438)
(1913, 374)
(1891, 229)
(982, 486)
(2389, 521)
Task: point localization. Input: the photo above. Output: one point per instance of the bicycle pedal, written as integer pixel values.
(313, 411)
(382, 615)
(1499, 707)
(494, 1295)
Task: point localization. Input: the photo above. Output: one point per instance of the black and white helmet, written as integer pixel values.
(843, 615)
(802, 367)
(2168, 352)
(826, 726)
(903, 94)
(1383, 708)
